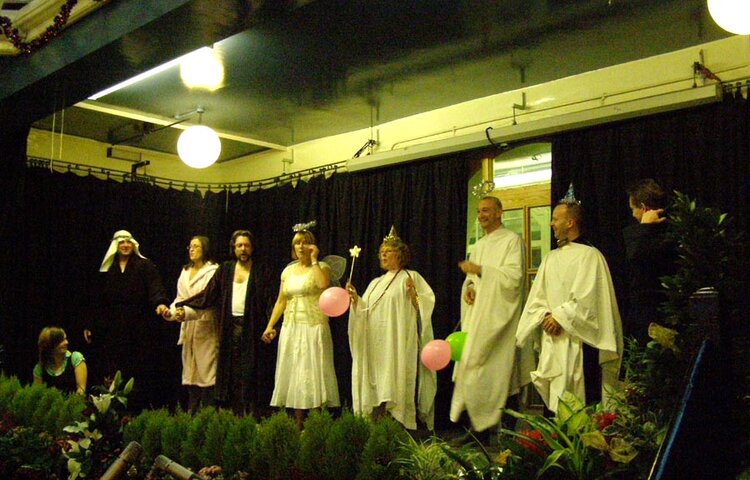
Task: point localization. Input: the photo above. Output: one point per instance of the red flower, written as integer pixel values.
(124, 420)
(604, 419)
(532, 446)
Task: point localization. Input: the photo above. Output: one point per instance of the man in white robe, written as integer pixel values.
(573, 301)
(491, 367)
(388, 326)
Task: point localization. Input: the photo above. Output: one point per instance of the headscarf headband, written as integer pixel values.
(118, 237)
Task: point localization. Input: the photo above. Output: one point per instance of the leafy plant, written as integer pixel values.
(426, 460)
(96, 440)
(707, 255)
(22, 448)
(576, 442)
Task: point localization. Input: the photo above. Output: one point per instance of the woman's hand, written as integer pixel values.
(269, 335)
(412, 293)
(314, 251)
(352, 292)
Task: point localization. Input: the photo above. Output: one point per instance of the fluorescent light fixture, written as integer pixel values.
(150, 73)
(527, 178)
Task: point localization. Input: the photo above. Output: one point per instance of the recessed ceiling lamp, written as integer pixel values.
(731, 15)
(202, 69)
(198, 146)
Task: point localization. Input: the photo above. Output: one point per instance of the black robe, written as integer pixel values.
(257, 360)
(127, 334)
(650, 256)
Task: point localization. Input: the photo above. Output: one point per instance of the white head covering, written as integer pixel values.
(118, 237)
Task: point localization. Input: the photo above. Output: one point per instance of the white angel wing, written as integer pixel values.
(338, 267)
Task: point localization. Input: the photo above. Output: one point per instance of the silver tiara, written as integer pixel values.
(300, 227)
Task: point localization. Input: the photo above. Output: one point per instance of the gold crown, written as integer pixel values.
(392, 236)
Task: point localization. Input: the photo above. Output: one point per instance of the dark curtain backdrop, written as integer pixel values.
(57, 228)
(703, 152)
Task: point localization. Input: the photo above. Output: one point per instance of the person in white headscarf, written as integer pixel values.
(122, 335)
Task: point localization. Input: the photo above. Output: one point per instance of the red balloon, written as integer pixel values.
(334, 301)
(436, 355)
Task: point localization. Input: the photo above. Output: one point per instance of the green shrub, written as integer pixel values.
(196, 434)
(23, 449)
(39, 419)
(151, 437)
(216, 432)
(23, 405)
(241, 446)
(344, 446)
(133, 430)
(387, 436)
(72, 410)
(174, 431)
(278, 447)
(9, 387)
(311, 461)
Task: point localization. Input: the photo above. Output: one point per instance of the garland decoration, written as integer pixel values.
(27, 48)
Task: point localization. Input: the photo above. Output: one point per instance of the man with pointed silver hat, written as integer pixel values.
(572, 305)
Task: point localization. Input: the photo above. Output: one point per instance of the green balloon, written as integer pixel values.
(456, 340)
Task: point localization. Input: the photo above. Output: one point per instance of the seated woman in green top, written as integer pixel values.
(57, 366)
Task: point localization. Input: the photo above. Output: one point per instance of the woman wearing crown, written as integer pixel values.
(305, 375)
(388, 325)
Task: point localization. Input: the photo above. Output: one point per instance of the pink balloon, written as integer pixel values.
(436, 355)
(334, 301)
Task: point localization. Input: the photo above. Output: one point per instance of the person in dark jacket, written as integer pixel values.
(125, 334)
(650, 256)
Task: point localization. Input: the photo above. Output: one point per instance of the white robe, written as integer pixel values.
(386, 337)
(574, 284)
(199, 332)
(491, 368)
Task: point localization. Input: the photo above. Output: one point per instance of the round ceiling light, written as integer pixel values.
(198, 146)
(202, 69)
(731, 15)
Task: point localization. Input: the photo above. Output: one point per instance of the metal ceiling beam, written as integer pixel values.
(141, 117)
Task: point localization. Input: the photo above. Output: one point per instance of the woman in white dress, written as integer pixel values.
(388, 326)
(305, 375)
(198, 330)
